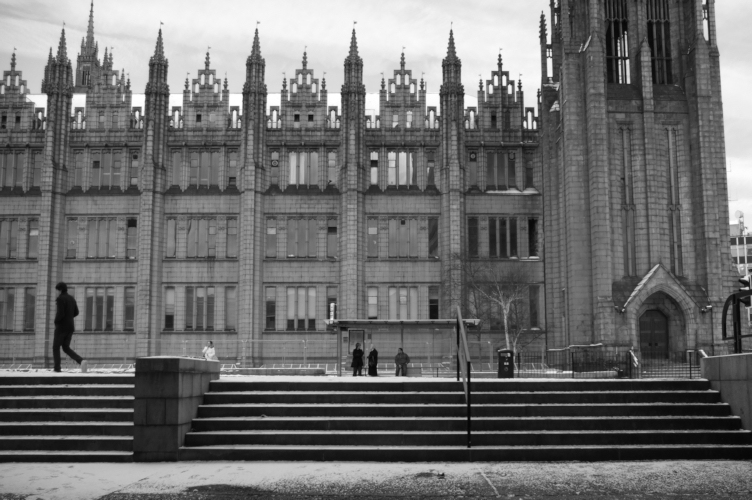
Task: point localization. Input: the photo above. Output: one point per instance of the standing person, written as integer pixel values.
(401, 360)
(67, 309)
(373, 361)
(357, 362)
(209, 352)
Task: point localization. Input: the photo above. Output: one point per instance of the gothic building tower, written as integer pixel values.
(634, 174)
(58, 85)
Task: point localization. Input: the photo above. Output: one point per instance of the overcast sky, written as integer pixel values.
(481, 28)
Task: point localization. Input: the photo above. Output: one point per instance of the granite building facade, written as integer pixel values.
(247, 222)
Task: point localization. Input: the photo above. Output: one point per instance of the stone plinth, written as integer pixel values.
(732, 376)
(167, 395)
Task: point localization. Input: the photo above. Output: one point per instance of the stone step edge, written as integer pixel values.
(66, 437)
(453, 448)
(452, 393)
(279, 432)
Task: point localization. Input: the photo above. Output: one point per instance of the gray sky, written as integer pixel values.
(481, 27)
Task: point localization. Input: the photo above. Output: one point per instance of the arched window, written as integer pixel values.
(409, 122)
(398, 79)
(392, 88)
(294, 87)
(308, 79)
(412, 88)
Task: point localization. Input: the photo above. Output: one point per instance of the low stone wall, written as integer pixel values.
(732, 376)
(167, 395)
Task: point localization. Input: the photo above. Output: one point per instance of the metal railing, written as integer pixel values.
(464, 368)
(668, 364)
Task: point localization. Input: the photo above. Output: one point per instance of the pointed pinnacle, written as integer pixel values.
(159, 49)
(13, 61)
(353, 45)
(402, 61)
(543, 30)
(90, 29)
(207, 61)
(305, 59)
(451, 52)
(62, 50)
(256, 50)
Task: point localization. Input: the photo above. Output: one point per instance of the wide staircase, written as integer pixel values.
(66, 418)
(422, 420)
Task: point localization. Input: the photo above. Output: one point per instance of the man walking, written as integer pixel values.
(64, 327)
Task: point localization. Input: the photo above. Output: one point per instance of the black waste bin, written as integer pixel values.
(506, 363)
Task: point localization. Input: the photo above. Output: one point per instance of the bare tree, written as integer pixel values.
(498, 294)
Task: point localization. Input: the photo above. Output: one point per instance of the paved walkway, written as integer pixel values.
(365, 481)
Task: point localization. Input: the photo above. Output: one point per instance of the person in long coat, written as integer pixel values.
(373, 361)
(67, 309)
(357, 362)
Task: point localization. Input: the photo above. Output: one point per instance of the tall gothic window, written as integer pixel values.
(659, 38)
(628, 205)
(617, 41)
(674, 204)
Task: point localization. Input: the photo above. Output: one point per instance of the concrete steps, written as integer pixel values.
(426, 421)
(66, 418)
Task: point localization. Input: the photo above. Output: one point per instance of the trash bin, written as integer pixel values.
(506, 363)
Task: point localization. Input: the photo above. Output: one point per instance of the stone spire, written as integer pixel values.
(62, 49)
(543, 30)
(451, 52)
(256, 49)
(207, 62)
(13, 61)
(402, 61)
(305, 59)
(90, 29)
(353, 55)
(451, 65)
(159, 49)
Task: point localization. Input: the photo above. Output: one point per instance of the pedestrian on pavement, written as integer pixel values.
(373, 361)
(401, 360)
(67, 309)
(209, 352)
(357, 362)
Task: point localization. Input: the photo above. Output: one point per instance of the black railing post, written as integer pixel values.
(458, 348)
(469, 393)
(571, 362)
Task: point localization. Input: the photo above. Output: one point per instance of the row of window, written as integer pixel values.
(99, 121)
(502, 237)
(10, 235)
(401, 238)
(8, 308)
(108, 166)
(199, 308)
(201, 238)
(101, 238)
(12, 164)
(203, 167)
(301, 305)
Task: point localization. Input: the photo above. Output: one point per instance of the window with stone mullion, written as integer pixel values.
(659, 39)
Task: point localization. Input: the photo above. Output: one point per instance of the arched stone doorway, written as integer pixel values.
(661, 327)
(654, 334)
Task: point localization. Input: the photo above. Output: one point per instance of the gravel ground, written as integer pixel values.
(363, 481)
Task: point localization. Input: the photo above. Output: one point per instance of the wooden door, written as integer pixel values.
(654, 334)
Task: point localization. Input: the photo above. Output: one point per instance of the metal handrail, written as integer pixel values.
(464, 367)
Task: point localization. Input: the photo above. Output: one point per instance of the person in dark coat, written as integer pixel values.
(67, 309)
(373, 361)
(357, 362)
(401, 360)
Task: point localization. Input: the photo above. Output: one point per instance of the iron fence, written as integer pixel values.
(432, 358)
